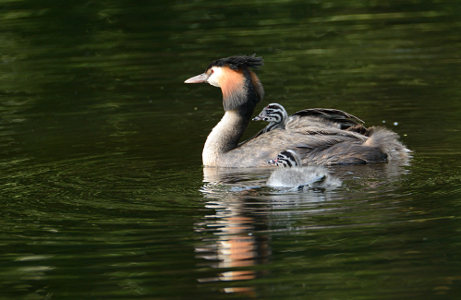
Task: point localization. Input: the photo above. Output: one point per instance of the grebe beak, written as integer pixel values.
(198, 79)
(257, 118)
(272, 161)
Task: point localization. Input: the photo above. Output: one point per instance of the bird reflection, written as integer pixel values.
(236, 243)
(235, 232)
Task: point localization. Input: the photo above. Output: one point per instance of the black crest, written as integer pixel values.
(238, 62)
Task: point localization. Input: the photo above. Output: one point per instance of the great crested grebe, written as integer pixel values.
(293, 175)
(318, 144)
(286, 159)
(277, 116)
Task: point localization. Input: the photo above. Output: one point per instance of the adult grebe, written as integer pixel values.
(316, 144)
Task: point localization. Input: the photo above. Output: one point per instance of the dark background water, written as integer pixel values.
(102, 193)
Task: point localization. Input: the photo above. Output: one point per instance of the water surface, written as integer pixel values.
(102, 192)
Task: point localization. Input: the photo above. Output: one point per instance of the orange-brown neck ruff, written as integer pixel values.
(257, 84)
(232, 82)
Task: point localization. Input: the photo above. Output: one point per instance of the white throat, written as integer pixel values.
(223, 138)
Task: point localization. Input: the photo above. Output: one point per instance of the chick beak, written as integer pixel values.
(198, 79)
(257, 118)
(272, 161)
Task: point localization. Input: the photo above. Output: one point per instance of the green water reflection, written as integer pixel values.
(102, 193)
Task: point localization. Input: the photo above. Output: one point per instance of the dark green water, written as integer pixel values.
(102, 193)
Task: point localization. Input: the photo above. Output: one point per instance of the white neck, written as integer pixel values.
(223, 138)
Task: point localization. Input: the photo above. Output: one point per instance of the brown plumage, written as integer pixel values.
(317, 139)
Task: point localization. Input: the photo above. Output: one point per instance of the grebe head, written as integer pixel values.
(239, 84)
(217, 71)
(286, 159)
(274, 112)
